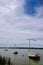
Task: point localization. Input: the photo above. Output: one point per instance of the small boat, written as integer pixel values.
(15, 52)
(6, 49)
(22, 55)
(33, 55)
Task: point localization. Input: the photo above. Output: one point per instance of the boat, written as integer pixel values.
(6, 49)
(15, 52)
(33, 55)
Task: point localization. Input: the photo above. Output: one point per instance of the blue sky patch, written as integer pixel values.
(30, 6)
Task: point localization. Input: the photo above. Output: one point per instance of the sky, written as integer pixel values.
(21, 21)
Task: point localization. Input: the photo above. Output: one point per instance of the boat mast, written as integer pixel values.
(29, 45)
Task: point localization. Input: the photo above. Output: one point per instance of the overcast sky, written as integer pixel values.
(21, 21)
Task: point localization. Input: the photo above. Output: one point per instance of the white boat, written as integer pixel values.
(33, 55)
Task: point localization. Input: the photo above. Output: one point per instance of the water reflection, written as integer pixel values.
(34, 61)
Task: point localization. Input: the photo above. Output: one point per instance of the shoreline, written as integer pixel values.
(19, 48)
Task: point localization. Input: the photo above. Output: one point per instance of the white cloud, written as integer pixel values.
(39, 11)
(16, 26)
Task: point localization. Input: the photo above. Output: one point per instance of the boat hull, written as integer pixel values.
(15, 52)
(34, 57)
(6, 49)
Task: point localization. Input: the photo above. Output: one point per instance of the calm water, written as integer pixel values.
(19, 59)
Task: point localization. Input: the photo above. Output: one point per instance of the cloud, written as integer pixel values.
(16, 26)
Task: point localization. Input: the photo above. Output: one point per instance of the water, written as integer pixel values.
(22, 57)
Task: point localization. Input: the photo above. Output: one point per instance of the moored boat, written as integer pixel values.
(15, 52)
(6, 49)
(34, 56)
